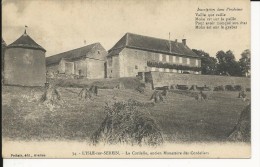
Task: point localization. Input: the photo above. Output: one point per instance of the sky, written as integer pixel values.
(62, 25)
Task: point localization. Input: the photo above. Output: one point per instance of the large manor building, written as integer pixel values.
(136, 53)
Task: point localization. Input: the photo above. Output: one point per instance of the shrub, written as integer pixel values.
(125, 123)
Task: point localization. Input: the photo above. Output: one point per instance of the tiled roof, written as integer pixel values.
(72, 54)
(152, 44)
(25, 41)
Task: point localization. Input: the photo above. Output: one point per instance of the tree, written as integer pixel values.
(227, 64)
(245, 62)
(208, 64)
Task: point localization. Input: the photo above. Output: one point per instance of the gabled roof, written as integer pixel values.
(152, 44)
(25, 41)
(81, 52)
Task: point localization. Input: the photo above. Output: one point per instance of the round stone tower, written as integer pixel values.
(24, 63)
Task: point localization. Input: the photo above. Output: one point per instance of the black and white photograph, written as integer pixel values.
(126, 79)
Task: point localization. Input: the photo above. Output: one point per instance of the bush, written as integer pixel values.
(125, 123)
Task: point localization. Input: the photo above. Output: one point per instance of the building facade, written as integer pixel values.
(2, 53)
(136, 53)
(24, 63)
(88, 62)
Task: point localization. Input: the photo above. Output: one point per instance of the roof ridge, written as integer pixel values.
(143, 42)
(76, 49)
(153, 37)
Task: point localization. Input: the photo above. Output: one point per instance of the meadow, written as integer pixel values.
(180, 117)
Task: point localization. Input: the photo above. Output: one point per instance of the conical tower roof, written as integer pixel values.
(25, 41)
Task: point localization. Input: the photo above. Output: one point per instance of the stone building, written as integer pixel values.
(2, 59)
(87, 62)
(2, 54)
(24, 63)
(136, 53)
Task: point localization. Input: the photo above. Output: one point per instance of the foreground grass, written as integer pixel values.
(181, 118)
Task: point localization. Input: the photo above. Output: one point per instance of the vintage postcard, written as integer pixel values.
(126, 79)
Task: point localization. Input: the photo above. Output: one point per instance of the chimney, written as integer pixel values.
(176, 40)
(184, 41)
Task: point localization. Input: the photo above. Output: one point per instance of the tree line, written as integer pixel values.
(225, 63)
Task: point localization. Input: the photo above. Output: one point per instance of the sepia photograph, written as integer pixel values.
(126, 79)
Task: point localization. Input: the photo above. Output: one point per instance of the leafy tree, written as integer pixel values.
(245, 62)
(227, 64)
(208, 64)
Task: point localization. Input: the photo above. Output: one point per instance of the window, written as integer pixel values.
(197, 62)
(160, 57)
(173, 59)
(98, 51)
(136, 67)
(188, 60)
(180, 60)
(167, 58)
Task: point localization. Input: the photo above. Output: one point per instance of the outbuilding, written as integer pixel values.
(24, 63)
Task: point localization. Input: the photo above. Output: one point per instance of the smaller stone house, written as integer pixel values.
(87, 62)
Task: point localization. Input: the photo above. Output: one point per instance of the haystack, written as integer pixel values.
(126, 124)
(242, 130)
(157, 97)
(51, 94)
(201, 96)
(242, 95)
(86, 93)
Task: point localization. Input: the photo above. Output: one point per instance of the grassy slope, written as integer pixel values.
(180, 117)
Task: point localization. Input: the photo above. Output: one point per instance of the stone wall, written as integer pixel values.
(24, 67)
(95, 69)
(113, 67)
(160, 79)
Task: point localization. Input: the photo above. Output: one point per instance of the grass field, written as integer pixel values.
(180, 117)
